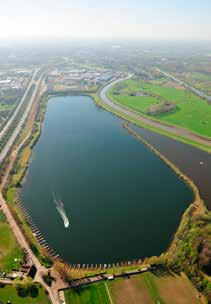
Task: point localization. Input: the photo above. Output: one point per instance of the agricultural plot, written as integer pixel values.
(144, 288)
(200, 80)
(192, 112)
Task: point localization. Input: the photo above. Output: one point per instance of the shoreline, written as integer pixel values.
(81, 271)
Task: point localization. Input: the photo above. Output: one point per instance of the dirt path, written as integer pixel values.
(175, 130)
(108, 292)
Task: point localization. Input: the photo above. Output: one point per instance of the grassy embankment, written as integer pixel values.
(192, 112)
(17, 174)
(10, 252)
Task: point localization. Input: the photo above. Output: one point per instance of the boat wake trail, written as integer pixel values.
(60, 208)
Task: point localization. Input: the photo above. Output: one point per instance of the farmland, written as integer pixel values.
(192, 112)
(147, 288)
(200, 80)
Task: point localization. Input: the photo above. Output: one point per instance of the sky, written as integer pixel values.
(148, 19)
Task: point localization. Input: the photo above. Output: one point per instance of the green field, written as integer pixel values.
(199, 80)
(192, 112)
(4, 107)
(201, 76)
(90, 294)
(8, 293)
(146, 288)
(9, 250)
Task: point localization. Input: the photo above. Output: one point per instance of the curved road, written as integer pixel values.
(176, 130)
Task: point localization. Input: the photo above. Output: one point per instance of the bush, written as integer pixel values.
(48, 279)
(26, 288)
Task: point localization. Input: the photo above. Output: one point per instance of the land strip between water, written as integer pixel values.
(147, 122)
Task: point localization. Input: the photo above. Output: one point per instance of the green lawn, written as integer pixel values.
(9, 250)
(192, 112)
(90, 294)
(146, 288)
(8, 293)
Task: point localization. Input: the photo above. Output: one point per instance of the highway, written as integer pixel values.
(58, 283)
(16, 131)
(18, 107)
(194, 90)
(175, 130)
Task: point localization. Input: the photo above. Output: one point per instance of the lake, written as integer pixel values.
(122, 201)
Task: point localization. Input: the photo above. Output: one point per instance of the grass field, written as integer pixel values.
(9, 250)
(201, 81)
(4, 107)
(8, 293)
(91, 294)
(192, 112)
(144, 288)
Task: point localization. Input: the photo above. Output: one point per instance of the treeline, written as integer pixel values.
(191, 249)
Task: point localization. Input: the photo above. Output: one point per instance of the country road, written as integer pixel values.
(175, 130)
(188, 86)
(16, 131)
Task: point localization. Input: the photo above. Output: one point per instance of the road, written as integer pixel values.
(18, 107)
(58, 283)
(18, 128)
(194, 90)
(175, 130)
(53, 290)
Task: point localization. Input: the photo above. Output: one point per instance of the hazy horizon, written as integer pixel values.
(92, 19)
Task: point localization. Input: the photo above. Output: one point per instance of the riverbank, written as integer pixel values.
(18, 166)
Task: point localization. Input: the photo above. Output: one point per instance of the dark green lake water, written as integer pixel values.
(121, 200)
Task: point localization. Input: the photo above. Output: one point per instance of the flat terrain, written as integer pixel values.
(192, 112)
(145, 288)
(200, 80)
(8, 293)
(9, 250)
(95, 293)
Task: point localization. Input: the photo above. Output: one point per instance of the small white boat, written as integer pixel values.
(60, 208)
